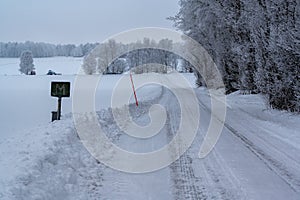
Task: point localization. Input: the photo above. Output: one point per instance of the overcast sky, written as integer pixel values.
(79, 21)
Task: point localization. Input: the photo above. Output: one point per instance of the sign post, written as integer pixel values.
(60, 90)
(59, 108)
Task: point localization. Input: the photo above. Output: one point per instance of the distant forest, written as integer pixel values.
(41, 49)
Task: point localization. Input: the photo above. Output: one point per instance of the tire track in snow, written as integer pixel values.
(182, 173)
(184, 179)
(266, 142)
(274, 165)
(212, 183)
(186, 184)
(223, 183)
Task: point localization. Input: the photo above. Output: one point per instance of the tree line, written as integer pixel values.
(40, 49)
(146, 52)
(255, 44)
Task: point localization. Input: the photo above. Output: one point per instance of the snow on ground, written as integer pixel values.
(36, 150)
(271, 169)
(257, 156)
(64, 65)
(25, 100)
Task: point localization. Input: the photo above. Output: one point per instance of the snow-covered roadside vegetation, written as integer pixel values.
(255, 44)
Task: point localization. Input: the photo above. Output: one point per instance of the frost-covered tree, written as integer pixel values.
(118, 66)
(40, 49)
(89, 64)
(77, 51)
(107, 52)
(255, 44)
(206, 21)
(26, 63)
(138, 53)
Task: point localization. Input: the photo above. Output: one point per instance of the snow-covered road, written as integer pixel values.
(241, 166)
(256, 157)
(256, 168)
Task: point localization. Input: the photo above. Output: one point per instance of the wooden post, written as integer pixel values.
(59, 108)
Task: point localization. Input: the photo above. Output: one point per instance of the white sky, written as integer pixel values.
(79, 21)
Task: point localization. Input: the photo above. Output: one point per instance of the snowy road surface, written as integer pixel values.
(256, 157)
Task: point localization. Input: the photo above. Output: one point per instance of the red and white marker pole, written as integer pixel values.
(135, 97)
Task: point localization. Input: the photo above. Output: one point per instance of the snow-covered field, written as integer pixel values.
(28, 136)
(256, 157)
(64, 65)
